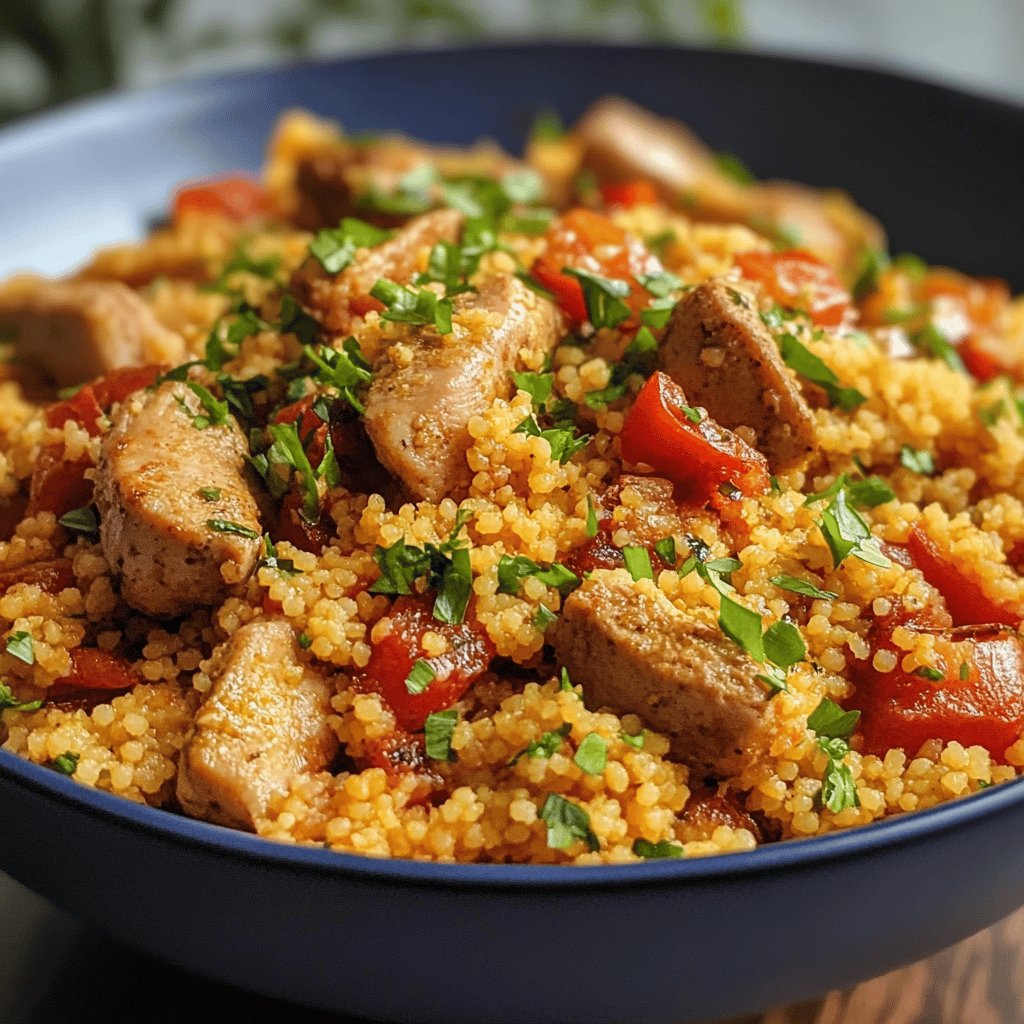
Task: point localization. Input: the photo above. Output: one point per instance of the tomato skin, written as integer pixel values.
(627, 194)
(798, 280)
(82, 407)
(93, 669)
(294, 529)
(967, 603)
(902, 709)
(469, 653)
(698, 457)
(51, 576)
(587, 240)
(117, 385)
(234, 196)
(58, 485)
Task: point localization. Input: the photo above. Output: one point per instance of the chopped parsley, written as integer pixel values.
(534, 285)
(591, 517)
(566, 822)
(240, 262)
(547, 127)
(547, 745)
(335, 248)
(304, 640)
(870, 265)
(637, 741)
(66, 763)
(215, 412)
(438, 730)
(446, 567)
(227, 526)
(413, 306)
(932, 674)
(917, 460)
(286, 454)
(412, 196)
(420, 676)
(81, 520)
(563, 439)
(19, 645)
(798, 586)
(658, 313)
(8, 701)
(833, 726)
(345, 370)
(798, 357)
(603, 297)
(209, 493)
(661, 241)
(537, 385)
(638, 562)
(661, 284)
(451, 265)
(931, 340)
(665, 549)
(846, 533)
(664, 850)
(734, 168)
(592, 754)
(272, 561)
(543, 617)
(226, 336)
(513, 569)
(868, 492)
(965, 671)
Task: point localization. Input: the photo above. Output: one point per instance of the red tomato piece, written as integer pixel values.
(58, 485)
(82, 407)
(363, 304)
(968, 604)
(469, 653)
(698, 457)
(639, 192)
(233, 196)
(51, 576)
(93, 669)
(292, 527)
(903, 709)
(117, 385)
(586, 240)
(798, 280)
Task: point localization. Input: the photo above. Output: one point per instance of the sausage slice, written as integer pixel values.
(725, 359)
(80, 330)
(155, 524)
(266, 719)
(418, 410)
(636, 653)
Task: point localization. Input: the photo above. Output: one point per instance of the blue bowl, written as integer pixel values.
(656, 942)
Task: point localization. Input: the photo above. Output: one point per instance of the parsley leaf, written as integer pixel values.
(566, 822)
(547, 745)
(288, 451)
(413, 306)
(833, 726)
(81, 520)
(870, 265)
(734, 168)
(638, 562)
(783, 644)
(592, 754)
(438, 730)
(412, 196)
(513, 569)
(639, 358)
(66, 763)
(335, 248)
(345, 370)
(936, 344)
(665, 549)
(455, 589)
(846, 533)
(563, 440)
(917, 460)
(543, 617)
(603, 297)
(7, 700)
(537, 385)
(227, 526)
(547, 127)
(830, 721)
(591, 517)
(19, 645)
(661, 284)
(798, 586)
(664, 850)
(798, 357)
(216, 414)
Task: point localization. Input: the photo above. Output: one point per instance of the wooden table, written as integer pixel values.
(54, 970)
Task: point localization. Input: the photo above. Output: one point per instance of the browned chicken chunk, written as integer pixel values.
(78, 330)
(636, 653)
(265, 720)
(725, 359)
(621, 141)
(329, 297)
(174, 548)
(418, 409)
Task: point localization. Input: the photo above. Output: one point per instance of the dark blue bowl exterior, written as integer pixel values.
(420, 942)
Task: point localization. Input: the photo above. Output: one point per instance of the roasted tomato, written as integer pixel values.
(966, 601)
(93, 669)
(51, 576)
(627, 194)
(699, 457)
(798, 280)
(975, 697)
(586, 240)
(469, 653)
(233, 196)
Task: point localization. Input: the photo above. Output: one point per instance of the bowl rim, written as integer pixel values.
(860, 841)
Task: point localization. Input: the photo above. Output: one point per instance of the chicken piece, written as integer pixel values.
(726, 360)
(635, 653)
(155, 525)
(318, 175)
(334, 299)
(418, 409)
(266, 719)
(621, 141)
(79, 330)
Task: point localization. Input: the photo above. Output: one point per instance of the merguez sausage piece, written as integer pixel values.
(266, 719)
(155, 525)
(418, 410)
(726, 360)
(635, 653)
(79, 330)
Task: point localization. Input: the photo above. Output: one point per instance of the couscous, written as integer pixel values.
(594, 506)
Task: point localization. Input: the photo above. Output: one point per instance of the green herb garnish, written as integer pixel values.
(420, 676)
(664, 850)
(227, 526)
(566, 822)
(335, 248)
(592, 754)
(438, 730)
(798, 586)
(19, 645)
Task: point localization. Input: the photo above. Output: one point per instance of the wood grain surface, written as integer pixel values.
(54, 970)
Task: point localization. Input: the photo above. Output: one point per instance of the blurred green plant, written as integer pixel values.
(55, 50)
